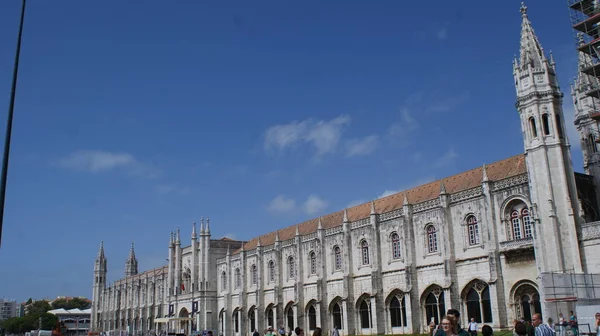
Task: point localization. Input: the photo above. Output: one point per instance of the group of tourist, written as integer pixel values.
(295, 332)
(450, 326)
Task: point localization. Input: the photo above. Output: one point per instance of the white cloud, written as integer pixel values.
(446, 159)
(232, 236)
(388, 193)
(408, 186)
(324, 136)
(363, 146)
(403, 128)
(355, 203)
(281, 204)
(97, 161)
(314, 204)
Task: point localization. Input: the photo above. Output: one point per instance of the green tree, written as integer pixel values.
(38, 308)
(71, 304)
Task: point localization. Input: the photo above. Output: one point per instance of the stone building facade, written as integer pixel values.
(481, 241)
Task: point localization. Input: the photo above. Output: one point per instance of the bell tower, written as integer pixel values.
(554, 201)
(100, 271)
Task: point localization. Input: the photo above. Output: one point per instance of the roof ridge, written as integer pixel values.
(413, 193)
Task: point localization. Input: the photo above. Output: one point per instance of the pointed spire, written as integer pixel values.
(177, 238)
(531, 52)
(258, 243)
(442, 188)
(373, 208)
(201, 225)
(345, 220)
(484, 174)
(319, 224)
(228, 252)
(171, 238)
(277, 236)
(297, 230)
(194, 230)
(132, 252)
(583, 81)
(207, 227)
(101, 251)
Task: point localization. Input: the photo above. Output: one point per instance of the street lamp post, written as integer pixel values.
(11, 108)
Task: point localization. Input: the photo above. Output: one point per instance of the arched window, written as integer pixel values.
(289, 314)
(395, 246)
(336, 312)
(271, 271)
(478, 302)
(312, 318)
(238, 278)
(365, 252)
(533, 127)
(435, 305)
(521, 223)
(254, 272)
(432, 243)
(337, 253)
(270, 316)
(291, 268)
(236, 321)
(559, 126)
(591, 143)
(397, 312)
(252, 319)
(364, 311)
(224, 280)
(313, 264)
(545, 124)
(473, 230)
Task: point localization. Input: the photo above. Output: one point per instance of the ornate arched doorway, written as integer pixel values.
(184, 322)
(336, 312)
(526, 300)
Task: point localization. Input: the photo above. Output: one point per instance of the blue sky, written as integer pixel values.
(135, 118)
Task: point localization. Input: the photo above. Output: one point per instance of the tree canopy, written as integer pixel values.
(71, 304)
(31, 321)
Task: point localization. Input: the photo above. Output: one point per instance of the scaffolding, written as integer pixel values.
(564, 292)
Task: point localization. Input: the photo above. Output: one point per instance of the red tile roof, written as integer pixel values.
(500, 170)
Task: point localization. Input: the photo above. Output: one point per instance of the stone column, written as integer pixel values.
(447, 300)
(345, 318)
(408, 308)
(374, 319)
(318, 312)
(295, 310)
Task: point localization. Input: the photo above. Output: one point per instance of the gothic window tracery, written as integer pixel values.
(473, 230)
(435, 304)
(395, 246)
(337, 258)
(291, 267)
(271, 271)
(477, 301)
(364, 313)
(337, 316)
(364, 246)
(254, 273)
(432, 242)
(397, 311)
(238, 278)
(313, 263)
